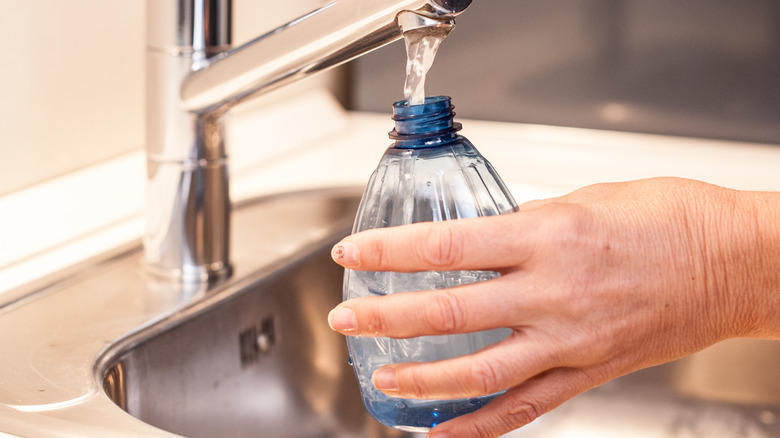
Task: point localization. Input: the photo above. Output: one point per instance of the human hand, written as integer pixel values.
(595, 284)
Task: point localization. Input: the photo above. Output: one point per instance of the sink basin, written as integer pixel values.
(260, 362)
(105, 350)
(254, 357)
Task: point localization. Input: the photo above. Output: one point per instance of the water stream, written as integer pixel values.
(421, 48)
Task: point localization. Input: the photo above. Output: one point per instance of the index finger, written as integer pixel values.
(493, 242)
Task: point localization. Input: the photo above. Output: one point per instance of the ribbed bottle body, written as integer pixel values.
(445, 180)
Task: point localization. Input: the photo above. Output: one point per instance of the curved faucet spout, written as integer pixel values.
(194, 77)
(324, 38)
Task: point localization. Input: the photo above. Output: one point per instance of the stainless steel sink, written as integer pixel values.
(254, 357)
(260, 362)
(104, 350)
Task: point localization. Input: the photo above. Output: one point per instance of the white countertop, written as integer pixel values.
(309, 141)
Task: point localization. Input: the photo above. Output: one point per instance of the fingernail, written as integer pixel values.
(342, 319)
(345, 253)
(384, 379)
(440, 435)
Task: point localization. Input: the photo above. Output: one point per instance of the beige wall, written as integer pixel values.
(71, 82)
(72, 86)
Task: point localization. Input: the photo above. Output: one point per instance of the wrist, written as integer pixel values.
(749, 249)
(767, 208)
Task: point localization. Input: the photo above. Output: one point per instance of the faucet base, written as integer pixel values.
(188, 226)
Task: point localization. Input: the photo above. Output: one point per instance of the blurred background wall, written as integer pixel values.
(702, 68)
(71, 86)
(72, 77)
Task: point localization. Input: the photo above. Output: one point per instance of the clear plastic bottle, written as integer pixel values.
(430, 173)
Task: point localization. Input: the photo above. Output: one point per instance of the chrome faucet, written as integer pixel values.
(194, 77)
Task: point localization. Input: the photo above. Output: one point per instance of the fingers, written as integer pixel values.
(492, 369)
(455, 310)
(481, 243)
(519, 405)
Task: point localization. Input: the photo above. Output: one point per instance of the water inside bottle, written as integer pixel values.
(371, 353)
(421, 48)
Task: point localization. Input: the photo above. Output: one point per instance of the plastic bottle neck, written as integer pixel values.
(429, 124)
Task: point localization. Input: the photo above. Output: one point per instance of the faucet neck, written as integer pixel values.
(188, 202)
